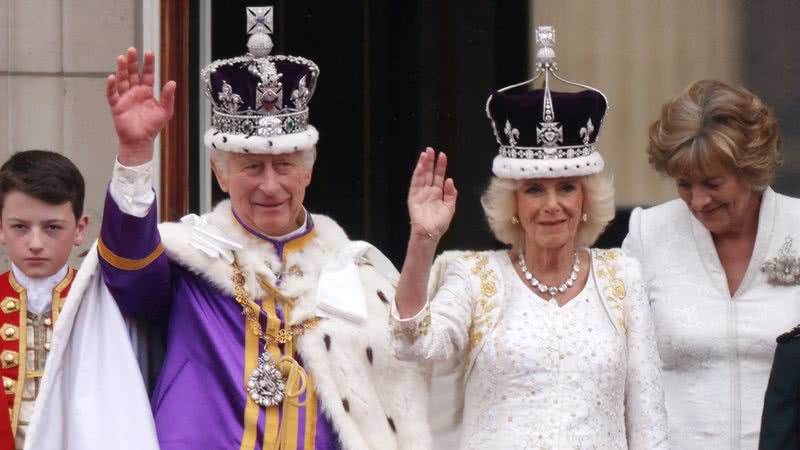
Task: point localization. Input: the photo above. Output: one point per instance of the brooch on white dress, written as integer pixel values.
(784, 269)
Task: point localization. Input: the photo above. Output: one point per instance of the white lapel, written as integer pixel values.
(764, 236)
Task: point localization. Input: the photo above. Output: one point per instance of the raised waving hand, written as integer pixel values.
(138, 116)
(431, 197)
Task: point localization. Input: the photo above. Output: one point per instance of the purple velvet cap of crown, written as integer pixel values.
(244, 82)
(546, 136)
(260, 104)
(525, 113)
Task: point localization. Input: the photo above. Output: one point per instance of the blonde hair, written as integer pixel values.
(499, 203)
(711, 123)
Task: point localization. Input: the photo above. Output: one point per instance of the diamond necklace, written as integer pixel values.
(552, 290)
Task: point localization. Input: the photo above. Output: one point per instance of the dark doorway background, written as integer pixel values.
(396, 77)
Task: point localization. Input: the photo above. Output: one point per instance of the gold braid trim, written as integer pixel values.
(123, 263)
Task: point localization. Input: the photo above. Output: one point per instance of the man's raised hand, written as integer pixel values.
(138, 116)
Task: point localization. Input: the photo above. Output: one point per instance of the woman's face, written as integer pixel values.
(718, 198)
(550, 210)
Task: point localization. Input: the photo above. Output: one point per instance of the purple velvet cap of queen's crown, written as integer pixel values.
(544, 133)
(259, 102)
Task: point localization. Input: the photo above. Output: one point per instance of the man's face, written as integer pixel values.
(39, 236)
(267, 191)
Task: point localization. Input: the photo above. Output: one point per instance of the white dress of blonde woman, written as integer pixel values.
(584, 375)
(556, 338)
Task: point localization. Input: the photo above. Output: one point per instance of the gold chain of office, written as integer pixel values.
(249, 308)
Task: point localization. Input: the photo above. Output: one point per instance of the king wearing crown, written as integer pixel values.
(277, 335)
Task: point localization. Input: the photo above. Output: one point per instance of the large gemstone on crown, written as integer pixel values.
(294, 124)
(270, 126)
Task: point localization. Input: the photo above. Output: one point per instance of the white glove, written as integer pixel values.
(209, 240)
(339, 291)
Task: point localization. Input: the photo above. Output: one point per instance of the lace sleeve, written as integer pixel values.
(441, 328)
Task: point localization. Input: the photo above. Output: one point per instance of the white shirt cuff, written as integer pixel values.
(132, 188)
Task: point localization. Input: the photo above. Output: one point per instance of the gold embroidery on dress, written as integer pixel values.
(482, 319)
(614, 290)
(412, 331)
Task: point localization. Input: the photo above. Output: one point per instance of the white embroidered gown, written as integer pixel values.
(716, 348)
(547, 377)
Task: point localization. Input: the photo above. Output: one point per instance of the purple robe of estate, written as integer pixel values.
(200, 400)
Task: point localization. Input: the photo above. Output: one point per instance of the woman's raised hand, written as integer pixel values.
(138, 116)
(432, 197)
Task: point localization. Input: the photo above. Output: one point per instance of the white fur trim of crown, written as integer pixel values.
(283, 143)
(519, 169)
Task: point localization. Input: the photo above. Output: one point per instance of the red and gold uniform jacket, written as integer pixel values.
(24, 344)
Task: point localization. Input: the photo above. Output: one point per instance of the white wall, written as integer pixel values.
(54, 59)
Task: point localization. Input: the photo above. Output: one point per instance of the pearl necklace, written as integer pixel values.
(552, 290)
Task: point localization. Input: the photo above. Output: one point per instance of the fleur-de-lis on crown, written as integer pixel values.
(230, 101)
(301, 94)
(587, 131)
(511, 133)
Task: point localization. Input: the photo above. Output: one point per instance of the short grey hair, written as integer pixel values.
(500, 205)
(220, 158)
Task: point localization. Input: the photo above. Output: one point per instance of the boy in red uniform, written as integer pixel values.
(41, 219)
